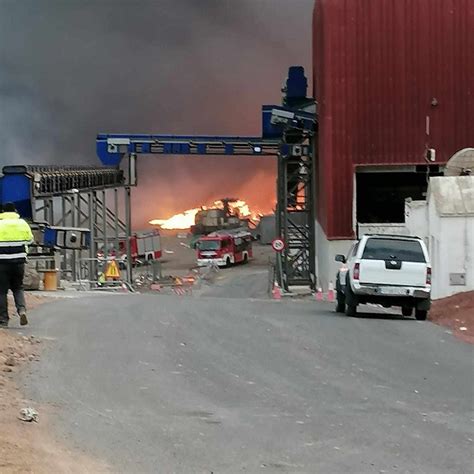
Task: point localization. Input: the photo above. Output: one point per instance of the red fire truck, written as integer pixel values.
(144, 246)
(224, 248)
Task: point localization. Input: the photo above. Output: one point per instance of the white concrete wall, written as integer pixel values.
(394, 229)
(326, 251)
(416, 217)
(416, 220)
(451, 250)
(450, 241)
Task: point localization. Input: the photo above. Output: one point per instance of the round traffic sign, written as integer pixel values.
(278, 245)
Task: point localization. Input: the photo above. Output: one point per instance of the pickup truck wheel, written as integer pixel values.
(351, 300)
(407, 310)
(340, 302)
(351, 310)
(421, 314)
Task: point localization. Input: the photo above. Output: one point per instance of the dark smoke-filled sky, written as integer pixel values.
(70, 69)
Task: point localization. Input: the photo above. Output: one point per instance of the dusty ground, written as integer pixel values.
(177, 257)
(179, 261)
(456, 313)
(29, 447)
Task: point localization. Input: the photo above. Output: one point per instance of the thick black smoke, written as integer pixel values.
(70, 69)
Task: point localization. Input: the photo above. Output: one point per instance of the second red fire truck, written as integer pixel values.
(145, 247)
(224, 248)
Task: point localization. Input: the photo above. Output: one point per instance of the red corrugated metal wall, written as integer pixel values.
(377, 65)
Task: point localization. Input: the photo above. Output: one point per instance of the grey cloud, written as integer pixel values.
(70, 69)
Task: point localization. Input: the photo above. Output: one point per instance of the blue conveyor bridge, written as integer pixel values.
(287, 132)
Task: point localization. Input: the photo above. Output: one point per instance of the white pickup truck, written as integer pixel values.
(386, 270)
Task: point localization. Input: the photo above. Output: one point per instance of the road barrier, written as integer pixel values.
(102, 264)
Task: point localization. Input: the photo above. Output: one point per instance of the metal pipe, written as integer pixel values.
(92, 250)
(104, 222)
(46, 214)
(128, 223)
(286, 237)
(279, 216)
(62, 222)
(73, 224)
(116, 223)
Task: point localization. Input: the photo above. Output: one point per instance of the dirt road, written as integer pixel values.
(203, 384)
(228, 380)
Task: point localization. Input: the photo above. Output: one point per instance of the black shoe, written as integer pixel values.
(3, 324)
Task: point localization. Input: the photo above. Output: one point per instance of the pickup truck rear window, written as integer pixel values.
(394, 249)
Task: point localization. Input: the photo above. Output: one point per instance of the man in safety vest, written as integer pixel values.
(15, 235)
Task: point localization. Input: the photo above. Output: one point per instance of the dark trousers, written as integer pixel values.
(11, 278)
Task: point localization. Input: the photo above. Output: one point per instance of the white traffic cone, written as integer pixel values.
(319, 294)
(331, 296)
(276, 292)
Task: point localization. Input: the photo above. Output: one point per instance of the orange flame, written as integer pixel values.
(179, 221)
(185, 220)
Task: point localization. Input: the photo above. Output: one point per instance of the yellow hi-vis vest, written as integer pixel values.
(15, 235)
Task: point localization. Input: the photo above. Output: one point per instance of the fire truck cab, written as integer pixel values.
(224, 248)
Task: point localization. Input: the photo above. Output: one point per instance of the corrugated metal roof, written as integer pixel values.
(386, 72)
(452, 195)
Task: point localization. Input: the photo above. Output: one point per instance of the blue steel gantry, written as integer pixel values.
(78, 196)
(287, 132)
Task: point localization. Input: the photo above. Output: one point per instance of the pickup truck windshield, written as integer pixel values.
(394, 249)
(209, 245)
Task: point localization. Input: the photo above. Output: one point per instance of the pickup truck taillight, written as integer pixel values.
(356, 275)
(428, 276)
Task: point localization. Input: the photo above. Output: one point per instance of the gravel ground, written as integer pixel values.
(29, 447)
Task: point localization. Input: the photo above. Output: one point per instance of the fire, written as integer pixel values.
(179, 221)
(185, 220)
(240, 208)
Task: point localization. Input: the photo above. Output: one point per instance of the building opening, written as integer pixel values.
(381, 195)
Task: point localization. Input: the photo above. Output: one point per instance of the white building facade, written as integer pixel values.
(446, 222)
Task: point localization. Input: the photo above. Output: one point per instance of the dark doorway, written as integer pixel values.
(381, 195)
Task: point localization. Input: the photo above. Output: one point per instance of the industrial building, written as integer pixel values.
(395, 98)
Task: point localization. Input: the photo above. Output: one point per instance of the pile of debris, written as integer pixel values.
(180, 284)
(457, 313)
